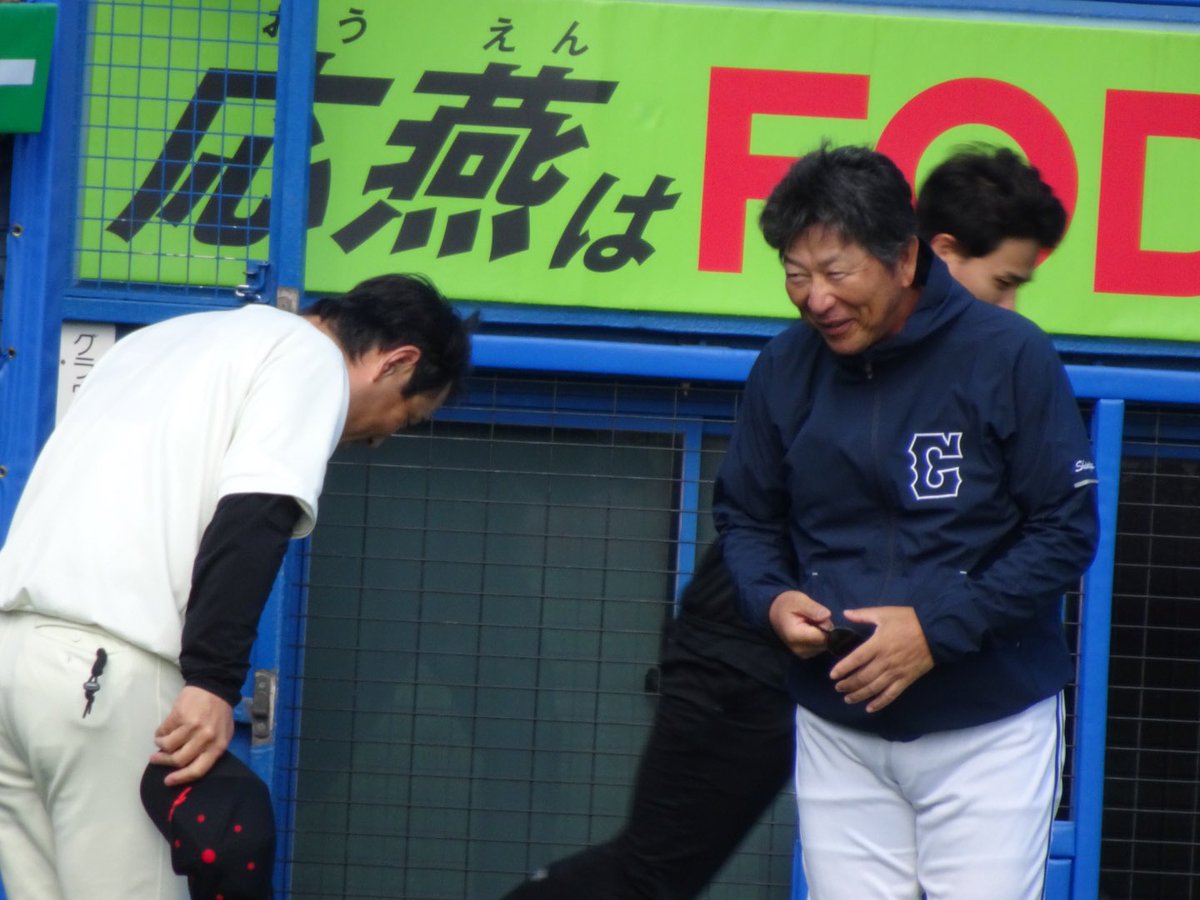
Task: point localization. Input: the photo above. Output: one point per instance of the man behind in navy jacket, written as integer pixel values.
(889, 478)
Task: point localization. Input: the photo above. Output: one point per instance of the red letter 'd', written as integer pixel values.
(731, 174)
(1122, 266)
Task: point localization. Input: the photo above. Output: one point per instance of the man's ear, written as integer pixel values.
(945, 246)
(908, 262)
(399, 360)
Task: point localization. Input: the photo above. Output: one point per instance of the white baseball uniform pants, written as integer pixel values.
(955, 815)
(72, 826)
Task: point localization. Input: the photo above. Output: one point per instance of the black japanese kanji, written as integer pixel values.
(488, 142)
(183, 178)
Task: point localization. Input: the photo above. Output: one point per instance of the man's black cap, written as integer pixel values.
(221, 829)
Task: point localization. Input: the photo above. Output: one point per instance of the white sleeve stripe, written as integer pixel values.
(1087, 481)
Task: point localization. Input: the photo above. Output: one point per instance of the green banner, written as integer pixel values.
(177, 144)
(26, 37)
(613, 154)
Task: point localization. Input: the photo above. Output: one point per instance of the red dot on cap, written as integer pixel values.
(237, 827)
(250, 865)
(209, 855)
(178, 843)
(200, 818)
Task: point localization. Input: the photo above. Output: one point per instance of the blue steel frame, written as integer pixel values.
(280, 634)
(38, 264)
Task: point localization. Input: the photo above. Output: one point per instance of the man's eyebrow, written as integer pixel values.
(821, 263)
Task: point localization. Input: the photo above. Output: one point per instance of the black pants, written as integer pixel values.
(721, 749)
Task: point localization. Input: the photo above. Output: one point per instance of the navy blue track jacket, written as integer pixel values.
(946, 468)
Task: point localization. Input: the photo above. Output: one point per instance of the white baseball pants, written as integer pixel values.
(955, 815)
(72, 826)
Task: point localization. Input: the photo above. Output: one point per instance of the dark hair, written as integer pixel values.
(390, 311)
(853, 191)
(983, 195)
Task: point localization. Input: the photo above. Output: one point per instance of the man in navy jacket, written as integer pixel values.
(908, 464)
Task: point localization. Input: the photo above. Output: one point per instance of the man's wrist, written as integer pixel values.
(221, 689)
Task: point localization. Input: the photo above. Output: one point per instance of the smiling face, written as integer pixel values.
(852, 299)
(378, 406)
(994, 277)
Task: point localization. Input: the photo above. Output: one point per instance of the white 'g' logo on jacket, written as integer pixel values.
(933, 478)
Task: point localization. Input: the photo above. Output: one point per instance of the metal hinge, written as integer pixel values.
(262, 707)
(256, 281)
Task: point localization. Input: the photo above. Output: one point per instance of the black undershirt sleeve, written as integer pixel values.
(236, 565)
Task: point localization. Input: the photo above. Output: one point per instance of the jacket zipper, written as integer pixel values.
(876, 408)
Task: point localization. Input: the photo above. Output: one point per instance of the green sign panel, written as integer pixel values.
(614, 154)
(177, 144)
(26, 36)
